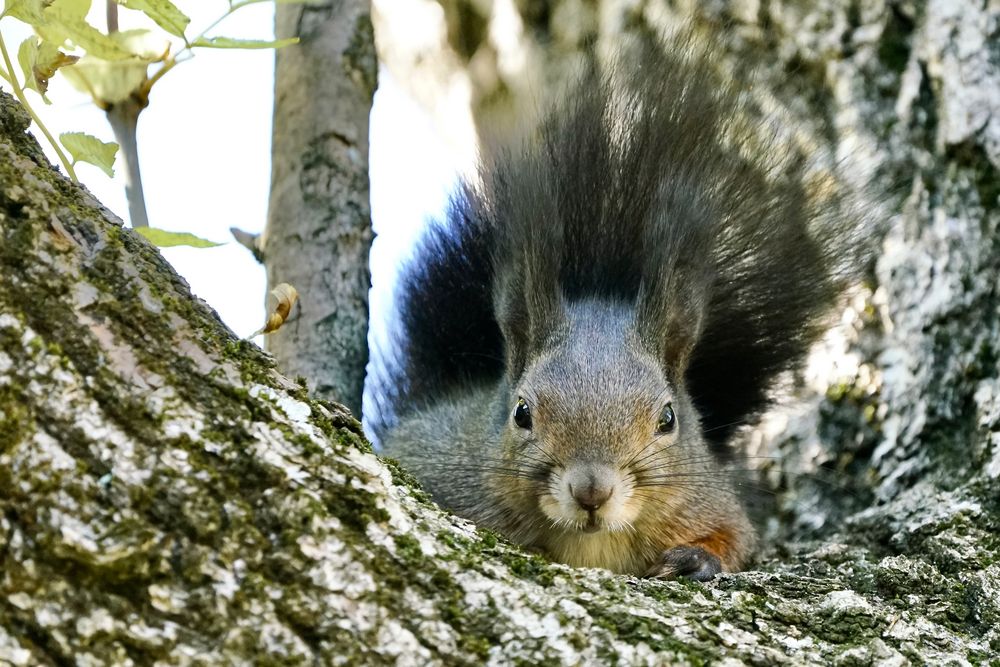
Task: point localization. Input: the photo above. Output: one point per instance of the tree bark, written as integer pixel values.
(319, 226)
(167, 497)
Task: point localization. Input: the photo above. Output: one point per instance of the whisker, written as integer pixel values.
(830, 478)
(536, 474)
(632, 460)
(738, 422)
(636, 461)
(689, 485)
(700, 459)
(525, 440)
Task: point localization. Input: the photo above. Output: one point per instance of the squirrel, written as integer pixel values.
(601, 308)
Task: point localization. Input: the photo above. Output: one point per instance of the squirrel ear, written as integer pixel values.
(673, 299)
(529, 309)
(670, 329)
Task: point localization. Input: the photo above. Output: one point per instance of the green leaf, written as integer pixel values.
(230, 43)
(145, 44)
(39, 62)
(108, 82)
(85, 148)
(111, 81)
(66, 20)
(163, 12)
(77, 8)
(165, 239)
(29, 11)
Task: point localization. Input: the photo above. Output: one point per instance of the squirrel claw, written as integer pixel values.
(690, 562)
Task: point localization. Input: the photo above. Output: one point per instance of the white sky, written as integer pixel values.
(205, 143)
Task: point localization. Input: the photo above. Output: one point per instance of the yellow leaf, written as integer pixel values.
(111, 81)
(280, 301)
(39, 61)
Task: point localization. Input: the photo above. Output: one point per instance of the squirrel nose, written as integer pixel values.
(591, 496)
(590, 484)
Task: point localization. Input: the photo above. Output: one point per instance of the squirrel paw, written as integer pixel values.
(690, 562)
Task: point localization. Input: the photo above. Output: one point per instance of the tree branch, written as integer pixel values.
(124, 119)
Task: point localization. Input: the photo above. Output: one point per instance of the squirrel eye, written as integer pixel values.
(667, 420)
(522, 414)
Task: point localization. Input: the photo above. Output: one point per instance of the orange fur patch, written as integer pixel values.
(718, 543)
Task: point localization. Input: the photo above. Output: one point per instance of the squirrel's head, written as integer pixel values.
(603, 435)
(598, 327)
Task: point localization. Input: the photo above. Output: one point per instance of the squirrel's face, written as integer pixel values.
(603, 441)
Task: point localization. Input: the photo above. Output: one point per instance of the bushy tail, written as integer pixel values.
(651, 184)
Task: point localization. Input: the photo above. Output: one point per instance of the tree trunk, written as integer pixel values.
(319, 226)
(167, 497)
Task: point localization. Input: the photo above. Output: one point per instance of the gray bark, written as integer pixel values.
(167, 497)
(319, 226)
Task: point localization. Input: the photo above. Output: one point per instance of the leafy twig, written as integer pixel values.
(124, 119)
(11, 78)
(111, 15)
(186, 52)
(115, 71)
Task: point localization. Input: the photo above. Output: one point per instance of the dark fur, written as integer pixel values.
(628, 190)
